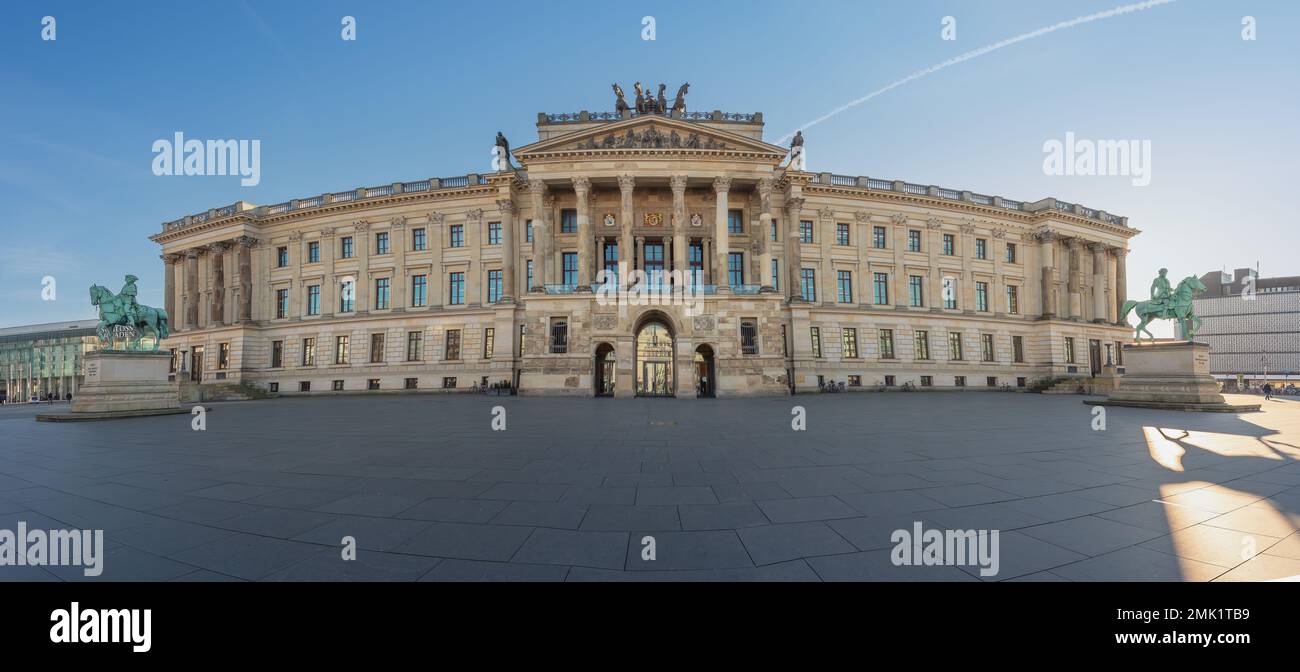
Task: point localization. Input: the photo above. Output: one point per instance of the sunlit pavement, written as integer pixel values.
(572, 487)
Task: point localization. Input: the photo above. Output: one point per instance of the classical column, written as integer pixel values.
(932, 247)
(191, 289)
(764, 234)
(1047, 259)
(397, 234)
(626, 217)
(1098, 281)
(721, 235)
(509, 248)
(1121, 282)
(640, 252)
(1112, 311)
(1075, 283)
(296, 260)
(217, 278)
(541, 236)
(681, 250)
(474, 243)
(829, 285)
(999, 252)
(582, 188)
(968, 269)
(361, 288)
(327, 283)
(902, 293)
(793, 251)
(437, 273)
(169, 284)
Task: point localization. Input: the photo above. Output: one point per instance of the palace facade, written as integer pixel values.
(796, 279)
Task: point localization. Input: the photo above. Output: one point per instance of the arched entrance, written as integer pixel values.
(654, 360)
(705, 376)
(604, 370)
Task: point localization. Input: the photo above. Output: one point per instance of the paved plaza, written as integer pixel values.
(571, 488)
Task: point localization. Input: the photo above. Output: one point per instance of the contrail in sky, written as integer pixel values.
(1077, 21)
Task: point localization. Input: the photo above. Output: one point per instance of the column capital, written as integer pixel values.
(327, 232)
(765, 185)
(475, 215)
(1119, 252)
(193, 253)
(1096, 248)
(582, 185)
(295, 236)
(1046, 235)
(435, 218)
(933, 223)
(399, 222)
(794, 205)
(221, 246)
(862, 216)
(536, 187)
(1075, 244)
(507, 206)
(361, 225)
(677, 183)
(626, 183)
(825, 213)
(721, 184)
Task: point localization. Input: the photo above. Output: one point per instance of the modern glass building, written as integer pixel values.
(41, 360)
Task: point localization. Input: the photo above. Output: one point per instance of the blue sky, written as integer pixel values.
(426, 85)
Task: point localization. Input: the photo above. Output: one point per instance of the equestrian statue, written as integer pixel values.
(1166, 304)
(121, 316)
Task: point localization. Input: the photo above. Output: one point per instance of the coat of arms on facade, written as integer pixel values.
(653, 219)
(697, 220)
(610, 220)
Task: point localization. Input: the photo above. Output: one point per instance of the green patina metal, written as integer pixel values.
(120, 317)
(1167, 304)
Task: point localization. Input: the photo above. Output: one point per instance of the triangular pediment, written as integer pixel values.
(650, 134)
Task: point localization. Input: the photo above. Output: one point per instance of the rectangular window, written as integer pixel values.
(529, 265)
(345, 247)
(494, 233)
(381, 242)
(1011, 253)
(736, 268)
(570, 269)
(776, 274)
(494, 286)
(568, 221)
(313, 299)
(304, 386)
(849, 338)
(281, 257)
(880, 289)
(950, 293)
(808, 284)
(309, 352)
(489, 342)
(982, 296)
(281, 303)
(774, 233)
(313, 252)
(381, 293)
(805, 231)
(878, 237)
(916, 291)
(1069, 349)
(223, 355)
(890, 381)
(449, 382)
(816, 342)
(986, 347)
(844, 286)
(528, 232)
(1013, 301)
(456, 289)
(372, 384)
(696, 263)
(347, 294)
(1018, 349)
(855, 381)
(749, 337)
(418, 241)
(954, 346)
(981, 248)
(841, 233)
(559, 336)
(342, 351)
(923, 345)
(414, 346)
(411, 383)
(523, 332)
(959, 381)
(611, 262)
(376, 348)
(949, 245)
(653, 263)
(456, 234)
(735, 221)
(991, 381)
(419, 290)
(927, 381)
(453, 345)
(886, 343)
(913, 240)
(336, 385)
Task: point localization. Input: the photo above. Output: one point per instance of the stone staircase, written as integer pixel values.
(1090, 385)
(196, 393)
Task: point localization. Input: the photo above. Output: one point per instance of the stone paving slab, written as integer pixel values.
(725, 489)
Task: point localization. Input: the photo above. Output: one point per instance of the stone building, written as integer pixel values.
(1252, 325)
(754, 278)
(45, 359)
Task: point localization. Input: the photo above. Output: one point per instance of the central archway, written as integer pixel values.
(604, 369)
(654, 360)
(705, 373)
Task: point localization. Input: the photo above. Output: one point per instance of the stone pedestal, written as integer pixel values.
(126, 382)
(1173, 375)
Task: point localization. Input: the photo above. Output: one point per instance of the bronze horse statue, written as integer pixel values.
(1177, 307)
(113, 313)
